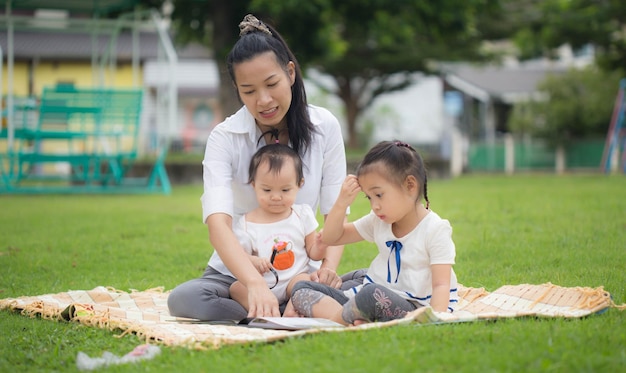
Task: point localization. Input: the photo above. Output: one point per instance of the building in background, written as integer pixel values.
(51, 47)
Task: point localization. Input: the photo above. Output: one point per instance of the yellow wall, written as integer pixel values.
(78, 73)
(20, 79)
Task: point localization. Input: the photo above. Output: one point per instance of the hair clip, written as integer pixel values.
(250, 24)
(400, 143)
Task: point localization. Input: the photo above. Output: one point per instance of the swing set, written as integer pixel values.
(615, 145)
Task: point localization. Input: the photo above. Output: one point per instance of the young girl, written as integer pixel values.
(413, 267)
(279, 236)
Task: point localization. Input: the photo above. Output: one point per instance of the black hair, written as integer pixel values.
(256, 38)
(275, 155)
(398, 160)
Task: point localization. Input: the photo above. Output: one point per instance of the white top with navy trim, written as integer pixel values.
(429, 243)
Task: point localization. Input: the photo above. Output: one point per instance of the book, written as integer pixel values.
(278, 323)
(288, 323)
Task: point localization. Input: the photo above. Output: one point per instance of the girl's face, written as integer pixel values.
(265, 88)
(276, 192)
(389, 201)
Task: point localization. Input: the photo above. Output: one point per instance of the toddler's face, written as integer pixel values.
(276, 192)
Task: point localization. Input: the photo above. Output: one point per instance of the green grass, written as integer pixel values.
(568, 230)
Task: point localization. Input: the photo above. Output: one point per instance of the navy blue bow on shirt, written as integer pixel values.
(394, 246)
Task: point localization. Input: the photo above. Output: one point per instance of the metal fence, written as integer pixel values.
(511, 155)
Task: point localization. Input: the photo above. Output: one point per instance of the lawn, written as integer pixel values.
(567, 230)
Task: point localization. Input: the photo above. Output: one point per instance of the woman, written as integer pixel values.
(269, 83)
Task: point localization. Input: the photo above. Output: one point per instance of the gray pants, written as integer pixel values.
(373, 302)
(208, 297)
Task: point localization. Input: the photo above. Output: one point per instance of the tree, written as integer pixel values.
(579, 105)
(552, 23)
(371, 47)
(213, 23)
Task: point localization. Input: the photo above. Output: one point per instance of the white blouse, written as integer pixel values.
(232, 144)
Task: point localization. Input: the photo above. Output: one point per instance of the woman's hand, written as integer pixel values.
(261, 301)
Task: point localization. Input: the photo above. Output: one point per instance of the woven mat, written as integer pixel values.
(145, 313)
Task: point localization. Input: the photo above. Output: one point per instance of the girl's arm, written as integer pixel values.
(336, 230)
(349, 234)
(441, 287)
(314, 249)
(261, 300)
(327, 274)
(262, 265)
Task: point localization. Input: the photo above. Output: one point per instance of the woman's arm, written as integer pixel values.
(261, 300)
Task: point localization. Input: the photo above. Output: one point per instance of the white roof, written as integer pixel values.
(195, 75)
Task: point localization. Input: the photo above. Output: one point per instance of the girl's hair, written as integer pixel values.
(398, 160)
(275, 155)
(256, 38)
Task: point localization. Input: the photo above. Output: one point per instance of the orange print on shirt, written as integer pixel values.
(282, 255)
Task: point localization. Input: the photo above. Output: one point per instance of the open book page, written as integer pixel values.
(279, 323)
(289, 323)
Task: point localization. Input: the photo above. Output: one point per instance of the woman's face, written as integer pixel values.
(265, 88)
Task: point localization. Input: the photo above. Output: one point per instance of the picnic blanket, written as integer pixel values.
(145, 313)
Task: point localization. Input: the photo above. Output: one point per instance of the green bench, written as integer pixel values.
(84, 140)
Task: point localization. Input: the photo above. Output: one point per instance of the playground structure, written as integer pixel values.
(614, 156)
(93, 133)
(84, 139)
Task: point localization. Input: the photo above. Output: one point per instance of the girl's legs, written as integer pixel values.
(206, 298)
(375, 303)
(353, 278)
(289, 309)
(312, 299)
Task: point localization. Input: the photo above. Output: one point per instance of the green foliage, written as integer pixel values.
(508, 230)
(548, 24)
(369, 47)
(576, 105)
(505, 17)
(374, 37)
(372, 47)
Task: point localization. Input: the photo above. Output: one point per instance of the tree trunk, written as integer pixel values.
(224, 37)
(352, 110)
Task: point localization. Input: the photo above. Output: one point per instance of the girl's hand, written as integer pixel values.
(349, 190)
(261, 264)
(326, 276)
